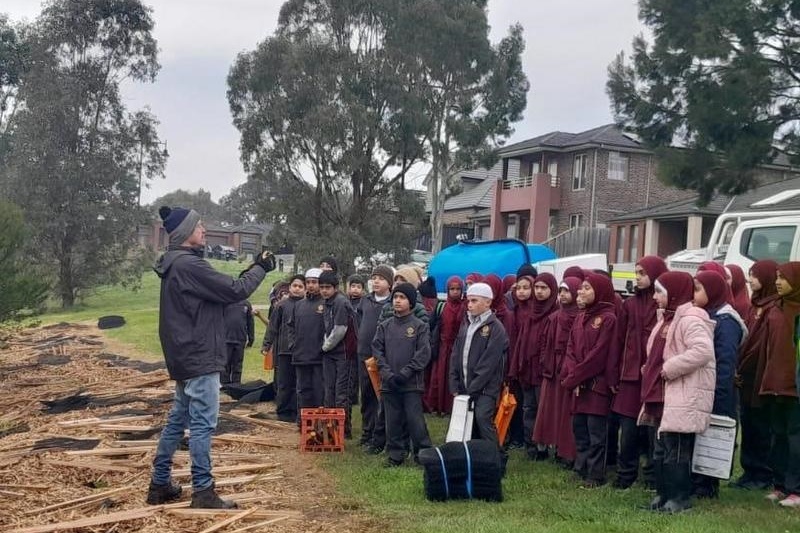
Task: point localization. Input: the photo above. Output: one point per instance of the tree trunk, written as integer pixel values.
(65, 281)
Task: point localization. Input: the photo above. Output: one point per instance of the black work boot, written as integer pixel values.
(208, 499)
(158, 494)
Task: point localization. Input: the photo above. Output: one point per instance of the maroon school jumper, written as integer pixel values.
(634, 324)
(529, 369)
(523, 309)
(586, 364)
(437, 397)
(554, 418)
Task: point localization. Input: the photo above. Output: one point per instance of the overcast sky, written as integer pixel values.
(569, 46)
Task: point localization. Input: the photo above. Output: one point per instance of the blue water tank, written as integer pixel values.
(501, 257)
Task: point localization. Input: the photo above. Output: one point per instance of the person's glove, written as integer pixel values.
(266, 261)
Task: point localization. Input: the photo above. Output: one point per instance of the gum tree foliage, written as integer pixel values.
(332, 126)
(716, 91)
(473, 90)
(338, 106)
(21, 289)
(76, 152)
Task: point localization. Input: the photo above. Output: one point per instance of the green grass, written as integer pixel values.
(140, 309)
(539, 497)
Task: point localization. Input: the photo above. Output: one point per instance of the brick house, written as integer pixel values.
(558, 181)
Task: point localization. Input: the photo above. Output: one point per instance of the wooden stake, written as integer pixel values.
(98, 496)
(261, 524)
(94, 421)
(112, 451)
(229, 469)
(259, 422)
(94, 465)
(121, 516)
(229, 521)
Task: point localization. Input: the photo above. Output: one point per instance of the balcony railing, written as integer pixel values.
(526, 181)
(518, 183)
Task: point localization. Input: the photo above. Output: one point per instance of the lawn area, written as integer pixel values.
(539, 497)
(140, 309)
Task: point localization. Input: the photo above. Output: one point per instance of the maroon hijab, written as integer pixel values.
(679, 287)
(541, 309)
(474, 277)
(717, 289)
(603, 289)
(765, 271)
(713, 266)
(574, 272)
(741, 299)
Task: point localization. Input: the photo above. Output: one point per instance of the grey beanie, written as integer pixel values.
(179, 223)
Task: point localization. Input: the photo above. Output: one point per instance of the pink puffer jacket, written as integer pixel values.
(690, 368)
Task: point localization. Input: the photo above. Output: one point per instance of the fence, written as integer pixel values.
(580, 241)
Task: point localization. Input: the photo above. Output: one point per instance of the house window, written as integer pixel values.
(552, 170)
(575, 221)
(579, 172)
(617, 166)
(634, 251)
(534, 168)
(552, 224)
(620, 244)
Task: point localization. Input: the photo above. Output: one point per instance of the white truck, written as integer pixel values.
(720, 239)
(776, 238)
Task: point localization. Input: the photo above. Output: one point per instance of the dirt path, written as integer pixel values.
(59, 362)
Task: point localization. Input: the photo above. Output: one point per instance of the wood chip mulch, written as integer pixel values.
(77, 435)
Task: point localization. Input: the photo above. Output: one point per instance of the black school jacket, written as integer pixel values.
(306, 331)
(486, 362)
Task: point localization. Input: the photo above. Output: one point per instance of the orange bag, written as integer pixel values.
(374, 375)
(269, 361)
(505, 410)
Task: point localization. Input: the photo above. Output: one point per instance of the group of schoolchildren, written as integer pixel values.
(599, 381)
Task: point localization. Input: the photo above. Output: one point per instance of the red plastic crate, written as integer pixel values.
(322, 430)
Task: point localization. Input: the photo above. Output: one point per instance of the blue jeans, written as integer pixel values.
(196, 407)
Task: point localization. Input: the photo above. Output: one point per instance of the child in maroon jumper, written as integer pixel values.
(521, 313)
(437, 396)
(779, 387)
(753, 416)
(586, 373)
(554, 420)
(634, 324)
(529, 370)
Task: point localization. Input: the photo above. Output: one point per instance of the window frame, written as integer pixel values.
(621, 157)
(580, 180)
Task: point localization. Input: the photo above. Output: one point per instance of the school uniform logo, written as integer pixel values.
(485, 331)
(598, 320)
(410, 332)
(320, 309)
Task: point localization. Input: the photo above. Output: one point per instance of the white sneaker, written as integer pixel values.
(792, 500)
(775, 496)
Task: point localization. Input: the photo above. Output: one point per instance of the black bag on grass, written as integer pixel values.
(250, 392)
(462, 471)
